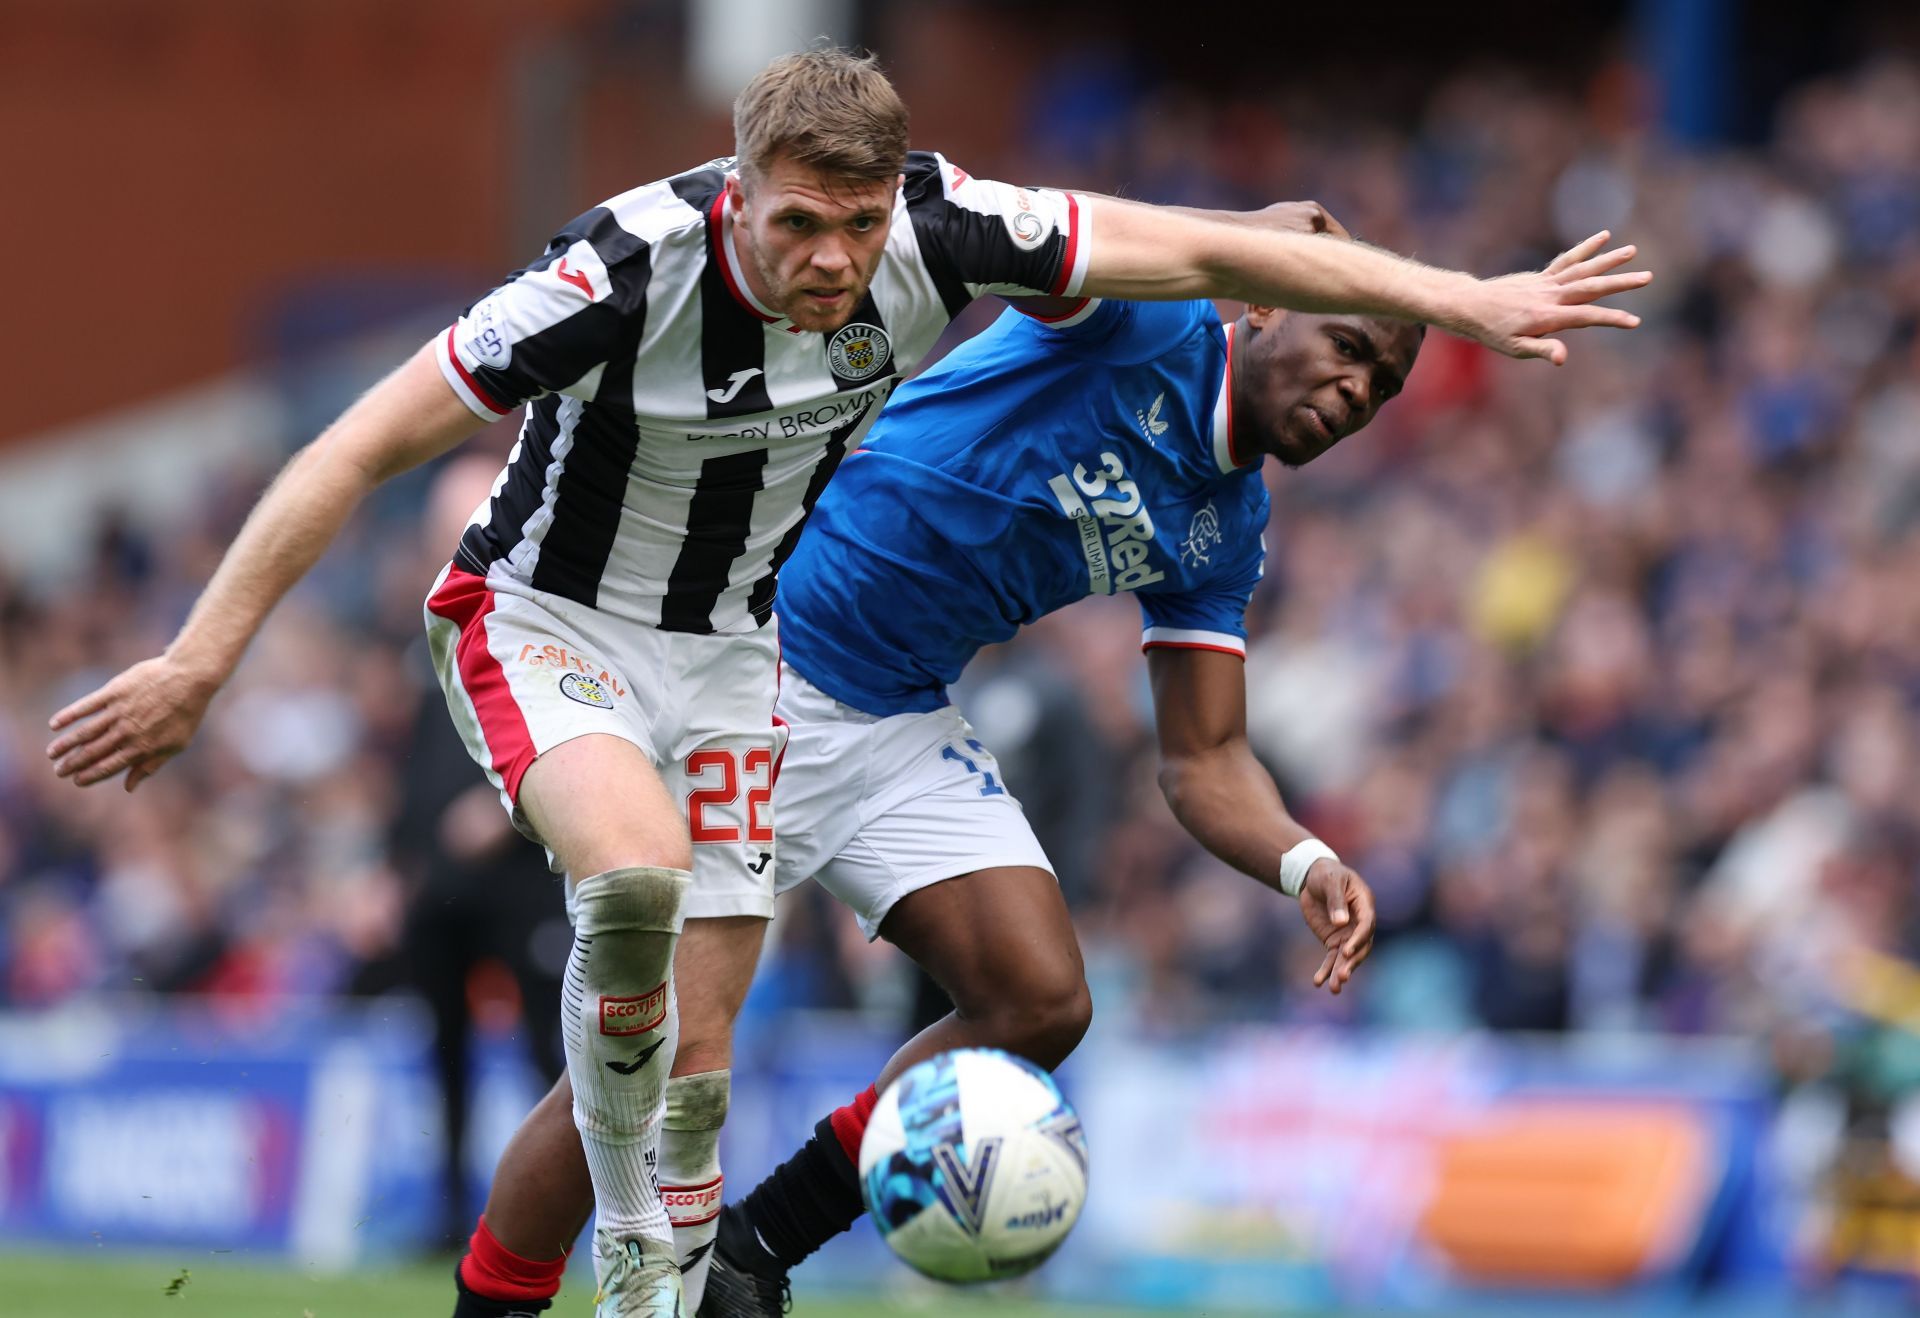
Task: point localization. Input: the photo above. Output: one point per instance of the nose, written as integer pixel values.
(830, 256)
(1357, 392)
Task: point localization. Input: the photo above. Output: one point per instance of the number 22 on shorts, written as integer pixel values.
(721, 772)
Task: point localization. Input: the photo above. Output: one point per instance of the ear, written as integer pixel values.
(1262, 317)
(736, 195)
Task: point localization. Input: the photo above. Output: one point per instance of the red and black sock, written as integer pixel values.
(807, 1201)
(495, 1282)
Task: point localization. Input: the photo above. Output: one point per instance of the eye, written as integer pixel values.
(1344, 344)
(864, 224)
(795, 223)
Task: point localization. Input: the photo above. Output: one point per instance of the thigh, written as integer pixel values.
(598, 803)
(932, 807)
(524, 675)
(721, 750)
(819, 796)
(990, 934)
(712, 971)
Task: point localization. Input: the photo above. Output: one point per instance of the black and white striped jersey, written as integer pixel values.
(677, 433)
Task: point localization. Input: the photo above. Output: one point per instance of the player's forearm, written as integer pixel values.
(1226, 799)
(404, 420)
(1159, 253)
(1310, 273)
(288, 530)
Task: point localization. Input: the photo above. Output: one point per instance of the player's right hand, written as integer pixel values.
(1518, 314)
(1338, 906)
(1300, 217)
(137, 722)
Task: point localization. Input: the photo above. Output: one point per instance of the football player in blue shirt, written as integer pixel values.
(1080, 448)
(1116, 449)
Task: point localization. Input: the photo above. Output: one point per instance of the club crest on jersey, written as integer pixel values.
(1203, 533)
(859, 351)
(586, 690)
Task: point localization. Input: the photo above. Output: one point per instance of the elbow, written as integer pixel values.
(1176, 785)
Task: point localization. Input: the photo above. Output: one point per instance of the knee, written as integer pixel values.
(1041, 1019)
(614, 854)
(617, 901)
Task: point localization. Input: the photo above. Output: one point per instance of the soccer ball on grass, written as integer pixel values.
(974, 1166)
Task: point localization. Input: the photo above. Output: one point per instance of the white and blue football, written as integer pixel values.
(974, 1166)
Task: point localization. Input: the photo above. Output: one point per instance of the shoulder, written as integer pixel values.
(655, 213)
(934, 189)
(929, 177)
(1131, 333)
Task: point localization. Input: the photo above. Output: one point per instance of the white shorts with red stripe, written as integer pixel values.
(877, 808)
(524, 671)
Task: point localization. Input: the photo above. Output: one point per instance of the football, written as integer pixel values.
(974, 1166)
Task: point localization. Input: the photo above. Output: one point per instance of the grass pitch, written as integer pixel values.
(189, 1285)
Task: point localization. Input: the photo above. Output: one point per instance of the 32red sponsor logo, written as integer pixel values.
(634, 1015)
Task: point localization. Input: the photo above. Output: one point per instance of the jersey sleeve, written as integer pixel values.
(552, 326)
(980, 236)
(1213, 617)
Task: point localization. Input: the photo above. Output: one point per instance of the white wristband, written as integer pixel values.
(1298, 860)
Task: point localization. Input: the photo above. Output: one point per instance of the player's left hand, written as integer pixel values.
(1338, 906)
(1518, 314)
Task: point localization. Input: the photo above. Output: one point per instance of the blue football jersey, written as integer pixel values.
(1033, 466)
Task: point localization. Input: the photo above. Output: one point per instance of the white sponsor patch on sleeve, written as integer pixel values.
(486, 333)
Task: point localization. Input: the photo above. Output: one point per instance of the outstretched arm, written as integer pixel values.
(1223, 796)
(146, 715)
(1304, 217)
(1161, 253)
(1308, 217)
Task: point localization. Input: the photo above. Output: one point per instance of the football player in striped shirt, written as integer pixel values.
(695, 357)
(1117, 449)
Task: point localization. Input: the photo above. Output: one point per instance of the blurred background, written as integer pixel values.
(1604, 677)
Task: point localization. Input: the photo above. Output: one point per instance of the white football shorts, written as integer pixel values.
(876, 808)
(524, 672)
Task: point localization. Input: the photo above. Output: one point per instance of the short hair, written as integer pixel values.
(828, 108)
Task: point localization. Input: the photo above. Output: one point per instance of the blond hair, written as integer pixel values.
(827, 108)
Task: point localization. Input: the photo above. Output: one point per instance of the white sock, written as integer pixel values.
(690, 1180)
(619, 1018)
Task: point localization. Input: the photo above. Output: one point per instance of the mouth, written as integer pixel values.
(832, 297)
(1319, 425)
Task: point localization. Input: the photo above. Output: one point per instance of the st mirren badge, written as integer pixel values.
(859, 352)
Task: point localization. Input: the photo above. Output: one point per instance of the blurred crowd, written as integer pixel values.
(1604, 677)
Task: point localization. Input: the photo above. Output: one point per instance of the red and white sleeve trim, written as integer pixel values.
(1073, 264)
(1067, 319)
(1185, 638)
(465, 387)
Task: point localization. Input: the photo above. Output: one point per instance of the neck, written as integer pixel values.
(1249, 434)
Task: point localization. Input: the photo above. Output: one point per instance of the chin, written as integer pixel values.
(818, 321)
